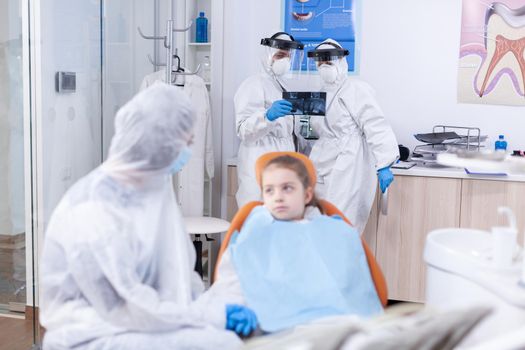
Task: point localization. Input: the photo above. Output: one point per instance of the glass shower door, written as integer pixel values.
(97, 44)
(18, 324)
(12, 195)
(68, 108)
(125, 52)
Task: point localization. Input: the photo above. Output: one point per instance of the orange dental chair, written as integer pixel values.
(326, 208)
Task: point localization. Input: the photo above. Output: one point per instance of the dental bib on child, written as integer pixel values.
(292, 272)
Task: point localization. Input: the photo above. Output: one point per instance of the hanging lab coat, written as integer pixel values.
(258, 135)
(190, 180)
(354, 142)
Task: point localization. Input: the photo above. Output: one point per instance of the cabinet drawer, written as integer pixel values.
(416, 206)
(480, 200)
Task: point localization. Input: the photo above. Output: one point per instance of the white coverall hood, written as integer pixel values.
(341, 67)
(150, 131)
(281, 68)
(355, 141)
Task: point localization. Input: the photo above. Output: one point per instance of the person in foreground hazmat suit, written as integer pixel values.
(263, 120)
(117, 265)
(356, 145)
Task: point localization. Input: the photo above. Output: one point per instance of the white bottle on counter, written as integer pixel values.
(504, 240)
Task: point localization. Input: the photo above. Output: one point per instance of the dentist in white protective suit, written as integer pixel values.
(356, 145)
(117, 265)
(263, 120)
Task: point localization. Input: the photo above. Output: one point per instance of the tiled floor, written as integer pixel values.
(15, 334)
(12, 269)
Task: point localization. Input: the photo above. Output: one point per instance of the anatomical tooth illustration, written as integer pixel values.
(501, 18)
(503, 47)
(492, 52)
(513, 17)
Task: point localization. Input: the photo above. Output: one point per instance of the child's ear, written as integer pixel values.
(309, 194)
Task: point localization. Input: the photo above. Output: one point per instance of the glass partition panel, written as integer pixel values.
(12, 217)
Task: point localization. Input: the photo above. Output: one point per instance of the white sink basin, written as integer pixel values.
(460, 272)
(454, 248)
(467, 253)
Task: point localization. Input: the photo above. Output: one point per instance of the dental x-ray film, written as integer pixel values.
(306, 103)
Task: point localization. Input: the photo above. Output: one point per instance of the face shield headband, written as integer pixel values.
(282, 44)
(327, 55)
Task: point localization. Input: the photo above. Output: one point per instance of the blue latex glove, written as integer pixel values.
(240, 319)
(279, 109)
(385, 177)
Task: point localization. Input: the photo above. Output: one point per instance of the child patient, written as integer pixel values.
(290, 263)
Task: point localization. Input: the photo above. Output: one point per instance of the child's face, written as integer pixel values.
(284, 194)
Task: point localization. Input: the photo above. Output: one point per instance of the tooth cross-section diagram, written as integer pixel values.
(510, 21)
(492, 52)
(504, 46)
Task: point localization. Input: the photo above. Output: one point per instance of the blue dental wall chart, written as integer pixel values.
(313, 21)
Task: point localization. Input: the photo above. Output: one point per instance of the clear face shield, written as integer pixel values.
(282, 56)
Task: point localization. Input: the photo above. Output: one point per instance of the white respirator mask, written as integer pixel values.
(328, 73)
(281, 66)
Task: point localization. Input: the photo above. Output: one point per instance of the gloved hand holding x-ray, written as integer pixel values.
(279, 109)
(306, 104)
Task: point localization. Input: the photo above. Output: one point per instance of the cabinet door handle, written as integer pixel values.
(383, 203)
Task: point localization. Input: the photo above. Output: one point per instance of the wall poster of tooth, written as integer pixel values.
(313, 21)
(491, 58)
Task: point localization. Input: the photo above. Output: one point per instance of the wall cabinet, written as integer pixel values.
(370, 231)
(416, 206)
(420, 204)
(481, 199)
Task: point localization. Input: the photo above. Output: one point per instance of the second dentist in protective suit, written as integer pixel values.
(355, 141)
(259, 111)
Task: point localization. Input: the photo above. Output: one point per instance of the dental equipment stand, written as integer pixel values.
(306, 130)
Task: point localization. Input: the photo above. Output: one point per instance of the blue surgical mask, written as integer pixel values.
(181, 161)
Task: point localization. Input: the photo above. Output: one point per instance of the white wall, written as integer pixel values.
(409, 54)
(245, 23)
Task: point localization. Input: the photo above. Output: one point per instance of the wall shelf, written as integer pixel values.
(199, 44)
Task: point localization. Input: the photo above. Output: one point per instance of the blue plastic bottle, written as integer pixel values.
(201, 36)
(501, 144)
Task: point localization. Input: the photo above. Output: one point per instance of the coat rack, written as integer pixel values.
(170, 50)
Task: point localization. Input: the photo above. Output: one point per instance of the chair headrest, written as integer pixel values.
(268, 157)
